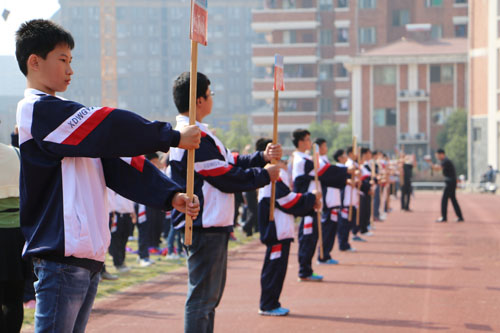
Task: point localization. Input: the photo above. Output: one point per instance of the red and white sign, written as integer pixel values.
(275, 252)
(199, 21)
(279, 83)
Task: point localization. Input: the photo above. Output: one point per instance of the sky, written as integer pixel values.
(21, 11)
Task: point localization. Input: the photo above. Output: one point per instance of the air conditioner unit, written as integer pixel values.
(403, 136)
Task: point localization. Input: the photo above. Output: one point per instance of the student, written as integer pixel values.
(278, 234)
(343, 225)
(303, 181)
(218, 174)
(69, 155)
(366, 192)
(353, 197)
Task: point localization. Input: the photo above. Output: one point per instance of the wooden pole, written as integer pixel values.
(359, 187)
(193, 81)
(275, 141)
(318, 189)
(354, 149)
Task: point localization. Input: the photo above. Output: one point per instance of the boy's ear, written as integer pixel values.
(199, 101)
(33, 62)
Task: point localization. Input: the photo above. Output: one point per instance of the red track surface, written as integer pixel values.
(413, 275)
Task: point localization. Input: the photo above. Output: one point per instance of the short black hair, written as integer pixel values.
(374, 152)
(337, 154)
(181, 90)
(262, 143)
(349, 150)
(298, 135)
(39, 37)
(319, 141)
(441, 151)
(364, 150)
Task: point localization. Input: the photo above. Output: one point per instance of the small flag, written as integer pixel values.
(275, 252)
(279, 83)
(5, 14)
(199, 21)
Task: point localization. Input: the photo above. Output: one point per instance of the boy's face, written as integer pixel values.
(305, 143)
(52, 74)
(204, 107)
(343, 158)
(323, 149)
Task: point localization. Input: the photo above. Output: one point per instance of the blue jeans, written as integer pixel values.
(64, 296)
(207, 266)
(172, 235)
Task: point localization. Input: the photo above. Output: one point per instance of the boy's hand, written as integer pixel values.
(317, 203)
(274, 171)
(273, 152)
(190, 137)
(182, 203)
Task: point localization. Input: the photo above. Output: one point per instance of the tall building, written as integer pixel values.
(403, 92)
(153, 48)
(484, 115)
(316, 37)
(12, 85)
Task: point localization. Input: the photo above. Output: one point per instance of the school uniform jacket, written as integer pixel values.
(69, 155)
(348, 188)
(331, 197)
(287, 205)
(218, 174)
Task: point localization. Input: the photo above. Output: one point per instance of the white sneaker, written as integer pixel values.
(172, 256)
(123, 269)
(145, 262)
(368, 233)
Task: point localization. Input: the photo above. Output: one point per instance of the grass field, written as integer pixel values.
(139, 274)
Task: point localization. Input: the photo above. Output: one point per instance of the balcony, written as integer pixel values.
(413, 96)
(413, 138)
(301, 53)
(267, 20)
(294, 88)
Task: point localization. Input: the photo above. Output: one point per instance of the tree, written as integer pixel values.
(453, 139)
(238, 135)
(337, 137)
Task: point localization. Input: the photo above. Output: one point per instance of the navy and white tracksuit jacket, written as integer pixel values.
(69, 155)
(218, 174)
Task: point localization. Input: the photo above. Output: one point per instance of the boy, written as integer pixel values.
(343, 225)
(69, 155)
(303, 181)
(278, 234)
(366, 192)
(218, 174)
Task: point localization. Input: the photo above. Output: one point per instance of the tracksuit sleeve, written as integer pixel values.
(297, 204)
(333, 176)
(67, 129)
(255, 160)
(210, 164)
(144, 184)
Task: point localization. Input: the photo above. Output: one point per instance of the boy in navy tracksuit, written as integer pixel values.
(366, 193)
(69, 155)
(303, 181)
(278, 234)
(218, 175)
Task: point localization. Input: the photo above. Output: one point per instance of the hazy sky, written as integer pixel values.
(20, 11)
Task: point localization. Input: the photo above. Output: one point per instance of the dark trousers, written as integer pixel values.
(449, 193)
(273, 274)
(364, 212)
(329, 231)
(251, 214)
(11, 305)
(144, 239)
(156, 219)
(405, 197)
(343, 228)
(119, 237)
(307, 246)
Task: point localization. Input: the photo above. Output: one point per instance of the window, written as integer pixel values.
(326, 37)
(343, 104)
(367, 35)
(287, 4)
(441, 73)
(325, 105)
(325, 72)
(400, 17)
(385, 75)
(433, 3)
(460, 30)
(476, 134)
(384, 117)
(325, 4)
(341, 70)
(439, 115)
(342, 3)
(460, 1)
(367, 4)
(289, 37)
(436, 31)
(342, 35)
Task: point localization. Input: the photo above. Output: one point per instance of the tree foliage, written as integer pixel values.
(336, 136)
(453, 139)
(238, 135)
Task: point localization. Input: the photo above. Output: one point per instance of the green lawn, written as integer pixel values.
(139, 274)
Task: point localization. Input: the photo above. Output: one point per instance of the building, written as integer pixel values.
(316, 37)
(484, 115)
(12, 85)
(403, 93)
(153, 48)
